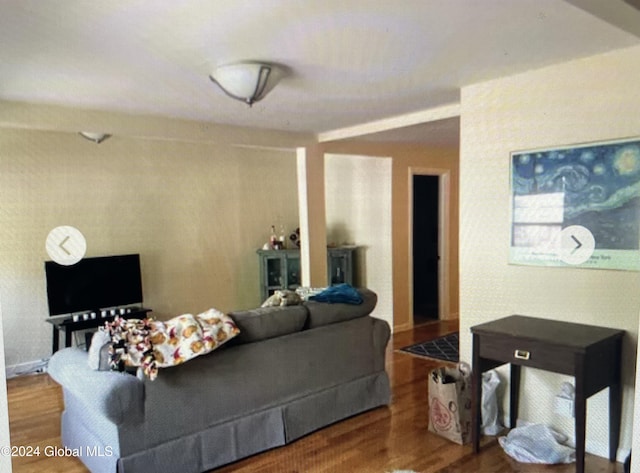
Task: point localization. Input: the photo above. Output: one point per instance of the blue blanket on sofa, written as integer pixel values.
(341, 293)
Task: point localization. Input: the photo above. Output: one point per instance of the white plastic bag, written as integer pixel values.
(537, 443)
(490, 417)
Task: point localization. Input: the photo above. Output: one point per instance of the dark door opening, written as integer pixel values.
(426, 190)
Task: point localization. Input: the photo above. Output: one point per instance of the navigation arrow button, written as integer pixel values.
(61, 245)
(576, 244)
(579, 245)
(66, 245)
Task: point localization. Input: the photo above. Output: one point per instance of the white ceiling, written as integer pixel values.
(351, 61)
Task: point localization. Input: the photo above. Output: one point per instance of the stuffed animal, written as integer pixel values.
(282, 298)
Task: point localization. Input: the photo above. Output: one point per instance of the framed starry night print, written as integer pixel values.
(577, 206)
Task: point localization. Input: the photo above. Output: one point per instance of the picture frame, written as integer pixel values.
(577, 206)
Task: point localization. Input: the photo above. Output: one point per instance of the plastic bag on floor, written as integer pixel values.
(490, 418)
(537, 443)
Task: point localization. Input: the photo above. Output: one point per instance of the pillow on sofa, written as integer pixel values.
(269, 322)
(323, 313)
(99, 351)
(282, 298)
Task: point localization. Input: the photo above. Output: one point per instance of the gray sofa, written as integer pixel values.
(292, 370)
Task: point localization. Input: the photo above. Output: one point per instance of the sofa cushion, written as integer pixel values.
(324, 313)
(269, 322)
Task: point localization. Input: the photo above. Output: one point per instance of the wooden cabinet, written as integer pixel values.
(280, 269)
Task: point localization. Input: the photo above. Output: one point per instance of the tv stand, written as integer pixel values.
(69, 325)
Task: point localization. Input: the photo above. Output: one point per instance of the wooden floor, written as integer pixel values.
(379, 441)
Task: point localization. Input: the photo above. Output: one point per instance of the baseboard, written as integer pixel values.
(30, 367)
(402, 327)
(601, 449)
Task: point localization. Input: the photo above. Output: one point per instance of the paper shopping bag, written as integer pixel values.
(450, 403)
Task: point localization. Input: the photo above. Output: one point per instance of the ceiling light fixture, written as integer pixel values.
(248, 82)
(95, 137)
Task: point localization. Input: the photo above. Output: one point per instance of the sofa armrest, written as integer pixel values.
(117, 396)
(381, 337)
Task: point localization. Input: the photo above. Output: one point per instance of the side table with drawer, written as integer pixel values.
(589, 353)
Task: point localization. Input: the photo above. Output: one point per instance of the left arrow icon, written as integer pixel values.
(61, 245)
(66, 245)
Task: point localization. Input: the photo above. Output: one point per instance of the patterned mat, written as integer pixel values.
(444, 348)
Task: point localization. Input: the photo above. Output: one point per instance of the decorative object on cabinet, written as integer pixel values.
(280, 269)
(295, 237)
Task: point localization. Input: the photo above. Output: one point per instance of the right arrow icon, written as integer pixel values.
(576, 244)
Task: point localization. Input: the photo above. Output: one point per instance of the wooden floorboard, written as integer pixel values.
(378, 441)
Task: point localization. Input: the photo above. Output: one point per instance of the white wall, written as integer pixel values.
(588, 100)
(358, 211)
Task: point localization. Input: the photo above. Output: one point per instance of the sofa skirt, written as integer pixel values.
(323, 408)
(216, 446)
(274, 427)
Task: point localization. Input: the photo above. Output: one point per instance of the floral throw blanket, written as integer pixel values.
(152, 344)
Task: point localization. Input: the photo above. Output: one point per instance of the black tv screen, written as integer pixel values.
(93, 283)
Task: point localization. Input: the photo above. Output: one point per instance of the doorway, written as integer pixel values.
(429, 244)
(426, 257)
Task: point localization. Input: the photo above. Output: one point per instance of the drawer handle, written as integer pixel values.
(521, 354)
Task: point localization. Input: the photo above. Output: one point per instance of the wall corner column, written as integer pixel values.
(313, 226)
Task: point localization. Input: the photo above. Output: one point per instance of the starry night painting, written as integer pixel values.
(595, 187)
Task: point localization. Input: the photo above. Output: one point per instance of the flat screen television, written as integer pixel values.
(93, 284)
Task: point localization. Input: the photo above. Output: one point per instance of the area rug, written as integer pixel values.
(443, 348)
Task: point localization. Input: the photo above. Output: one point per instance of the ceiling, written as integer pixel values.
(352, 62)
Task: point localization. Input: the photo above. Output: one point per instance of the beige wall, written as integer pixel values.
(358, 210)
(404, 158)
(196, 213)
(576, 102)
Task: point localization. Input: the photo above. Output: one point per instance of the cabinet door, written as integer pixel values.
(293, 272)
(340, 264)
(274, 274)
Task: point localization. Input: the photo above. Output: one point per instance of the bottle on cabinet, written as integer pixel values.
(282, 239)
(273, 239)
